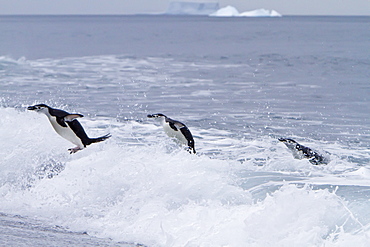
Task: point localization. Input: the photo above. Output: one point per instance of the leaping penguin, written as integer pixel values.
(67, 126)
(176, 129)
(301, 152)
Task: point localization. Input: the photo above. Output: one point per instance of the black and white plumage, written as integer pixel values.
(67, 126)
(176, 129)
(301, 152)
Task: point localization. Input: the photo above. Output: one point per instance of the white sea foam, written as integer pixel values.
(139, 186)
(235, 91)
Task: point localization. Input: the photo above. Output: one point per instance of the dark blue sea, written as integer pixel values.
(239, 84)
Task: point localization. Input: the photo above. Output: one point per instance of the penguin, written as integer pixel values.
(176, 129)
(67, 126)
(301, 152)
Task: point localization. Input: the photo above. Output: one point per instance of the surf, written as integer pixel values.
(132, 189)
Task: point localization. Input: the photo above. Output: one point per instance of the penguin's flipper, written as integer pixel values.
(186, 132)
(179, 125)
(173, 126)
(71, 117)
(61, 122)
(79, 131)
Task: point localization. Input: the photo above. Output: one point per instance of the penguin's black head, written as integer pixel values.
(290, 143)
(38, 108)
(287, 141)
(158, 115)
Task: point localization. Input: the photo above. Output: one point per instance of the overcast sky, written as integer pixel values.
(284, 7)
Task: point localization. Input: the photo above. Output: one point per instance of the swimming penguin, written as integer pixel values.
(176, 129)
(301, 152)
(67, 126)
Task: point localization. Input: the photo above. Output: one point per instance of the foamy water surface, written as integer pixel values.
(243, 188)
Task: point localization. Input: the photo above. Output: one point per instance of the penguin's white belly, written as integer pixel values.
(297, 154)
(66, 132)
(176, 134)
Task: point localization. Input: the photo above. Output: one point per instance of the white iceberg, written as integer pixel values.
(274, 13)
(192, 8)
(258, 13)
(230, 11)
(226, 12)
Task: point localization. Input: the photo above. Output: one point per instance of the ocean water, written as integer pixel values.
(237, 83)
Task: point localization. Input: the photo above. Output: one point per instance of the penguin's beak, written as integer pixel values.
(282, 139)
(31, 108)
(150, 116)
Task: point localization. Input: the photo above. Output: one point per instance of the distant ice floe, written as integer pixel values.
(212, 8)
(192, 8)
(230, 11)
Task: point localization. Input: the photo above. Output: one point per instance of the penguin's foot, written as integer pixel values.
(74, 150)
(190, 150)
